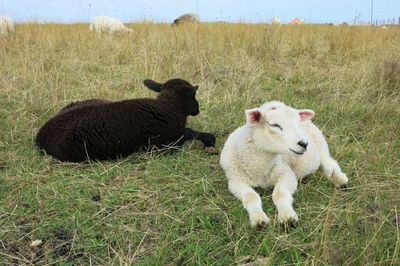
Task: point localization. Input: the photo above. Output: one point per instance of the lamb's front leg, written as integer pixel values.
(207, 139)
(334, 173)
(283, 199)
(251, 202)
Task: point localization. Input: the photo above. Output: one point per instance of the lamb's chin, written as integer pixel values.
(294, 152)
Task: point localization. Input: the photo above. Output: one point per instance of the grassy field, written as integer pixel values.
(175, 209)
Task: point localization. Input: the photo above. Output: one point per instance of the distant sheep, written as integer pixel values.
(106, 24)
(185, 18)
(277, 146)
(101, 130)
(7, 26)
(276, 21)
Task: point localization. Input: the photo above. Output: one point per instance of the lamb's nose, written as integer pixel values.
(303, 144)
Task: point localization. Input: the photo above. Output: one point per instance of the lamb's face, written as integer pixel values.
(277, 128)
(187, 93)
(179, 89)
(192, 106)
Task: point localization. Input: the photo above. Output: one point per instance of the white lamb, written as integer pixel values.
(6, 26)
(108, 24)
(277, 147)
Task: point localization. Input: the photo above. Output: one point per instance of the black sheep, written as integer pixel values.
(101, 130)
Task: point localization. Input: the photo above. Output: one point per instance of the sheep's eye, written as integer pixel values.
(276, 125)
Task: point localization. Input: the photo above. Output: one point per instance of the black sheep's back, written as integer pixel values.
(102, 130)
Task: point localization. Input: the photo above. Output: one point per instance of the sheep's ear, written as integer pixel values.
(254, 116)
(306, 114)
(152, 85)
(195, 88)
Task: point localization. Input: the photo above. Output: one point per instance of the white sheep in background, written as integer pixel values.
(276, 21)
(108, 24)
(278, 146)
(7, 26)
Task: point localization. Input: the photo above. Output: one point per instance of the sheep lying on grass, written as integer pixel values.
(186, 18)
(100, 130)
(6, 26)
(107, 24)
(277, 146)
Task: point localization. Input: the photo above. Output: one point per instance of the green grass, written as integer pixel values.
(157, 209)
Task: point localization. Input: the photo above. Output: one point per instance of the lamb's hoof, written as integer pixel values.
(291, 223)
(287, 216)
(261, 225)
(344, 186)
(208, 139)
(211, 150)
(259, 219)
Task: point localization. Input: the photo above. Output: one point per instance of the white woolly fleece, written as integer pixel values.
(269, 152)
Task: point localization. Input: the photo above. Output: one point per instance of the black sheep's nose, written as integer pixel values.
(303, 144)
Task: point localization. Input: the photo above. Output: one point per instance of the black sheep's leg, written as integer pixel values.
(188, 134)
(207, 139)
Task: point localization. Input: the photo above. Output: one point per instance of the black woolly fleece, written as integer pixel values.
(102, 130)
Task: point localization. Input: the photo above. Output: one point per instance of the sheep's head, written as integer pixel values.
(276, 128)
(178, 89)
(176, 22)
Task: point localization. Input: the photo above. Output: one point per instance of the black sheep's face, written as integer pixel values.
(183, 89)
(192, 106)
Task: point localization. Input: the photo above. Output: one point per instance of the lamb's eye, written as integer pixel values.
(276, 125)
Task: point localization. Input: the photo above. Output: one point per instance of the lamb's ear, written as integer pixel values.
(306, 114)
(152, 85)
(254, 116)
(195, 88)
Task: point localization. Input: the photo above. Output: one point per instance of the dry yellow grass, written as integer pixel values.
(176, 209)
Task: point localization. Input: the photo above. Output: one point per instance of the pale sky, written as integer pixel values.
(209, 10)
